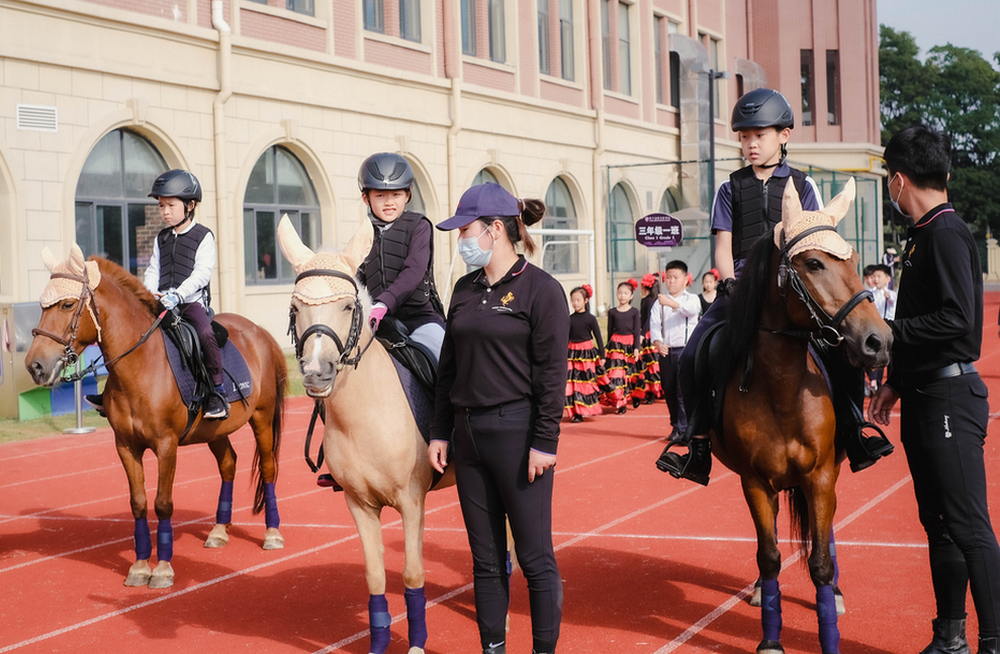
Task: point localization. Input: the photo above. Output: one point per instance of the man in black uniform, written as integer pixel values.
(937, 335)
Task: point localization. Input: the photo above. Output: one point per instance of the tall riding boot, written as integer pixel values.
(496, 649)
(949, 638)
(989, 645)
(695, 465)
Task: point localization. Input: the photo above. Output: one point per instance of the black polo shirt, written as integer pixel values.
(503, 343)
(939, 312)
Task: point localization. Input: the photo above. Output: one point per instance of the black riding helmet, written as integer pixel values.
(178, 184)
(385, 171)
(762, 108)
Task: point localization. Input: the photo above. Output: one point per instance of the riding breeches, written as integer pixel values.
(687, 392)
(943, 429)
(195, 313)
(491, 468)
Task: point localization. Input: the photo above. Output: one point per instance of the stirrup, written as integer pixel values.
(880, 446)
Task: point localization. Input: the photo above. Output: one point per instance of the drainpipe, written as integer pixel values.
(601, 194)
(452, 70)
(226, 231)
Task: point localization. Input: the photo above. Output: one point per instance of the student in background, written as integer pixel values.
(649, 361)
(622, 352)
(584, 370)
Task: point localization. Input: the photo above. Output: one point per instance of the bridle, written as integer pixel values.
(826, 326)
(353, 336)
(70, 357)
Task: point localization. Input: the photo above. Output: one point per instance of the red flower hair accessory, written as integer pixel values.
(689, 279)
(648, 280)
(715, 272)
(588, 289)
(631, 282)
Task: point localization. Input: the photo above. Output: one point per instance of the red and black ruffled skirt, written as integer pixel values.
(649, 362)
(585, 378)
(624, 377)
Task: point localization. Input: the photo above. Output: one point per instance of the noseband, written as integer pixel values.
(353, 337)
(70, 356)
(788, 276)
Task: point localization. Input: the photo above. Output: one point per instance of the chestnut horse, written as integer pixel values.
(778, 424)
(98, 301)
(372, 444)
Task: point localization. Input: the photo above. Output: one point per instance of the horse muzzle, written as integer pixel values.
(44, 373)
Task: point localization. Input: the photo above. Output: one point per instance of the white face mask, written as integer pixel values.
(472, 254)
(895, 203)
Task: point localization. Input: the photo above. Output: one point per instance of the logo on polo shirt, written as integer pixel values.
(507, 299)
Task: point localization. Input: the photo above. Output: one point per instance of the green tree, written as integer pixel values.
(957, 91)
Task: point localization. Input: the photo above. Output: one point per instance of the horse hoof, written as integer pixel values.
(770, 647)
(138, 574)
(755, 596)
(163, 576)
(839, 596)
(416, 650)
(273, 539)
(217, 537)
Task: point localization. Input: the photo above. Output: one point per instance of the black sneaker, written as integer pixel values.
(216, 407)
(577, 418)
(621, 410)
(694, 466)
(636, 402)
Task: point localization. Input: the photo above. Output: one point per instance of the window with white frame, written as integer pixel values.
(409, 20)
(278, 185)
(616, 42)
(114, 217)
(374, 16)
(558, 256)
(468, 8)
(567, 54)
(491, 41)
(624, 50)
(408, 11)
(497, 31)
(307, 7)
(622, 229)
(544, 53)
(556, 57)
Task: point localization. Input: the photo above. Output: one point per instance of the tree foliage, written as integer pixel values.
(956, 91)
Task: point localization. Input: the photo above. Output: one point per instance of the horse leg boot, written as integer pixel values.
(826, 615)
(695, 465)
(416, 620)
(379, 622)
(989, 645)
(949, 638)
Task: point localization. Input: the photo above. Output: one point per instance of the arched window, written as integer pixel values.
(416, 203)
(114, 217)
(279, 184)
(668, 203)
(622, 246)
(560, 213)
(484, 176)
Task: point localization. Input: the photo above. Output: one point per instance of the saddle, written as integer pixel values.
(395, 337)
(186, 360)
(709, 384)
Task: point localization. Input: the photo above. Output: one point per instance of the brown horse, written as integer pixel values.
(372, 444)
(99, 302)
(778, 424)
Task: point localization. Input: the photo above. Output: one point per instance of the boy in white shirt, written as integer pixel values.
(671, 321)
(885, 303)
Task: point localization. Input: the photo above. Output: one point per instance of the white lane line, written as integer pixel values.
(720, 610)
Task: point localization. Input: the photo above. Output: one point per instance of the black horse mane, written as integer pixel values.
(746, 305)
(128, 281)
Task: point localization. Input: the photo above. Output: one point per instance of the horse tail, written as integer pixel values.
(798, 512)
(280, 389)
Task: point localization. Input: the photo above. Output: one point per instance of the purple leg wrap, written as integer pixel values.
(770, 609)
(416, 603)
(164, 541)
(143, 542)
(271, 518)
(224, 513)
(833, 555)
(826, 613)
(379, 621)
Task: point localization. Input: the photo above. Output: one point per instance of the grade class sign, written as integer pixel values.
(658, 230)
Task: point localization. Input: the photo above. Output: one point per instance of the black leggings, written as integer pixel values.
(491, 468)
(943, 428)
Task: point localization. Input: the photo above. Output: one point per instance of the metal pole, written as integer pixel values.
(711, 143)
(78, 396)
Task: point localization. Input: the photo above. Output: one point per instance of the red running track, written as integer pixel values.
(650, 564)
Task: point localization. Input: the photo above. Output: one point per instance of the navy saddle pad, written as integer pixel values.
(419, 396)
(237, 382)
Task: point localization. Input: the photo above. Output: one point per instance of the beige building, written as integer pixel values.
(588, 104)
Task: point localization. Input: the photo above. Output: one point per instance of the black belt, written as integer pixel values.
(937, 374)
(497, 409)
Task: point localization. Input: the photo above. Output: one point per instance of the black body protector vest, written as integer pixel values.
(757, 206)
(177, 253)
(385, 261)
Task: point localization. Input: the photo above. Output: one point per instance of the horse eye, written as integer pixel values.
(814, 264)
(68, 304)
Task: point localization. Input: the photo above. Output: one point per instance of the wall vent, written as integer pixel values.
(37, 118)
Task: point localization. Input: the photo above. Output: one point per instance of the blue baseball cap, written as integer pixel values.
(481, 200)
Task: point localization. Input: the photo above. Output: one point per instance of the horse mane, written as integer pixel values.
(129, 282)
(746, 305)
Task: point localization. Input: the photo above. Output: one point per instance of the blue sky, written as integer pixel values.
(966, 23)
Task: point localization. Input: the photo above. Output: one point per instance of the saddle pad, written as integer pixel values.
(236, 375)
(420, 399)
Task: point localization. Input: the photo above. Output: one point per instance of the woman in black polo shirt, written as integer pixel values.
(500, 393)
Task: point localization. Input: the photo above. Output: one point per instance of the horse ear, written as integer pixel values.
(49, 259)
(839, 205)
(297, 252)
(360, 245)
(791, 207)
(76, 260)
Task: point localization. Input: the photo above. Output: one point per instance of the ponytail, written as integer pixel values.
(532, 211)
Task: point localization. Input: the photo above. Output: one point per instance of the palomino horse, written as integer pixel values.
(98, 301)
(372, 444)
(778, 423)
